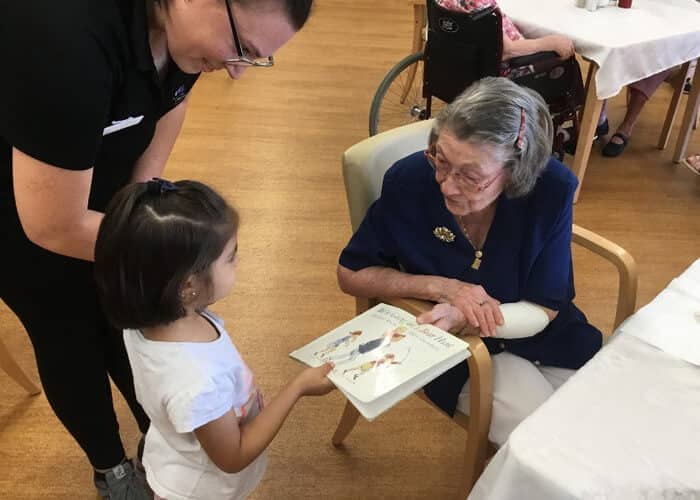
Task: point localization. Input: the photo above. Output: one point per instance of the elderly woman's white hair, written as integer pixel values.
(514, 120)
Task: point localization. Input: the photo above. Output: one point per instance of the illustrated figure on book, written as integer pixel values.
(387, 360)
(480, 223)
(390, 337)
(343, 341)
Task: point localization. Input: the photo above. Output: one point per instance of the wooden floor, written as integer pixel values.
(272, 144)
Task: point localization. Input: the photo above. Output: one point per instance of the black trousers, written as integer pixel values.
(77, 352)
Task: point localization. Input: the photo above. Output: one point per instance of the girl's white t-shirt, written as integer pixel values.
(182, 386)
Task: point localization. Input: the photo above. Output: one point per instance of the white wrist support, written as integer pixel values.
(521, 319)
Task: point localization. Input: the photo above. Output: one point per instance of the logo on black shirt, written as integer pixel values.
(179, 94)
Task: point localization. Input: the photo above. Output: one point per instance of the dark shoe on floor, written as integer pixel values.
(122, 483)
(600, 130)
(612, 149)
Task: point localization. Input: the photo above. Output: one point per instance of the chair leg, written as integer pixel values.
(673, 106)
(688, 119)
(10, 366)
(346, 424)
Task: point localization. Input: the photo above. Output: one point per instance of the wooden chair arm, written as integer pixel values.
(622, 260)
(478, 422)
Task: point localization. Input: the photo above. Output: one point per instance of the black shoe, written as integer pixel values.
(612, 149)
(600, 130)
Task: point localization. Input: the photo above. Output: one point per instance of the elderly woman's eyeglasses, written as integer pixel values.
(243, 59)
(460, 177)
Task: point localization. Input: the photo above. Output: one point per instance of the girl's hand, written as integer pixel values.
(444, 316)
(479, 308)
(314, 381)
(560, 44)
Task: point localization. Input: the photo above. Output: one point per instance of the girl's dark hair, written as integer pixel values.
(154, 236)
(297, 11)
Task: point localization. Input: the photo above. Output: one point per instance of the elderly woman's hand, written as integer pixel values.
(444, 316)
(478, 307)
(560, 44)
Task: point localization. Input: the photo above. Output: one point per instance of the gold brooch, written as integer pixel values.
(444, 234)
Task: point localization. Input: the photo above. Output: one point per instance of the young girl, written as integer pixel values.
(164, 253)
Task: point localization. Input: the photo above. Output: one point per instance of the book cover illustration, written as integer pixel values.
(380, 350)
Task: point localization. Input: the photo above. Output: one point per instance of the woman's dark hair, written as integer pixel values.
(154, 236)
(297, 11)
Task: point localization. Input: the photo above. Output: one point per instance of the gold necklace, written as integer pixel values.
(478, 253)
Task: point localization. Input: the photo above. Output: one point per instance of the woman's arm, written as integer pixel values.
(232, 447)
(523, 47)
(152, 161)
(52, 204)
(480, 309)
(379, 281)
(520, 319)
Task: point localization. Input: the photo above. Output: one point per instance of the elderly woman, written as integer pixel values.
(480, 224)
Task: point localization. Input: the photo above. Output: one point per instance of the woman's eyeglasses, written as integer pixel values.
(243, 59)
(465, 183)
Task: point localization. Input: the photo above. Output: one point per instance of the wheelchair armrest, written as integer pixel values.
(516, 62)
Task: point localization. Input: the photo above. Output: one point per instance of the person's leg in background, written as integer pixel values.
(75, 350)
(639, 93)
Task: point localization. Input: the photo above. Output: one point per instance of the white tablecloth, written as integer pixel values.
(677, 330)
(625, 426)
(626, 44)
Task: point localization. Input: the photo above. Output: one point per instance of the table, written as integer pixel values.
(625, 426)
(618, 43)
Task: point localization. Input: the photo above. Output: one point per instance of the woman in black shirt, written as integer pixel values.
(94, 98)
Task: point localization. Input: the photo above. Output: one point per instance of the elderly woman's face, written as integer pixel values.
(200, 38)
(471, 176)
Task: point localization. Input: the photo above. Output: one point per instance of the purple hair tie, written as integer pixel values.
(160, 186)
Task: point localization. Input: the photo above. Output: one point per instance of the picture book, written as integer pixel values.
(383, 356)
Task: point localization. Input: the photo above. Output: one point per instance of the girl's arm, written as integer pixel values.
(232, 447)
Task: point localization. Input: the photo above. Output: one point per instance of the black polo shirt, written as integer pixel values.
(79, 90)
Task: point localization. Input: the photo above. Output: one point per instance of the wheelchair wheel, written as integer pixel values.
(399, 99)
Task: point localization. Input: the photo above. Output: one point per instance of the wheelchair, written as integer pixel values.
(460, 49)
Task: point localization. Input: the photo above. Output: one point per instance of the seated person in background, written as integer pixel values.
(639, 93)
(514, 43)
(481, 224)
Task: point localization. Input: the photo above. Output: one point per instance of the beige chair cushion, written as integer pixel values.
(365, 163)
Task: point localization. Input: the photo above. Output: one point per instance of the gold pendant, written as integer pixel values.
(477, 260)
